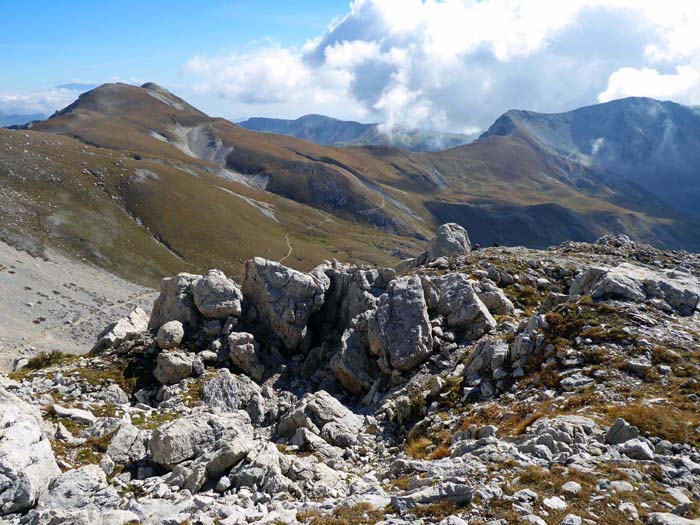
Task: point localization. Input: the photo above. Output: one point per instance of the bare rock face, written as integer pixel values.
(354, 291)
(216, 296)
(400, 331)
(126, 328)
(352, 365)
(450, 239)
(244, 353)
(27, 463)
(175, 302)
(284, 299)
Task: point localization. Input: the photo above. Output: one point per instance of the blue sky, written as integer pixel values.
(48, 42)
(449, 64)
(54, 43)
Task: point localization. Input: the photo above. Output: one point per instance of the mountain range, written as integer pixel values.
(141, 183)
(333, 132)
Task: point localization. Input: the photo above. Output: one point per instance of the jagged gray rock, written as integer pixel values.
(175, 302)
(81, 488)
(213, 463)
(354, 291)
(128, 444)
(635, 283)
(216, 296)
(399, 332)
(450, 239)
(227, 393)
(123, 330)
(243, 351)
(27, 463)
(188, 437)
(663, 518)
(461, 306)
(284, 299)
(173, 367)
(323, 415)
(352, 365)
(620, 431)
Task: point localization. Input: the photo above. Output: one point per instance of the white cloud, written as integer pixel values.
(44, 101)
(460, 63)
(681, 86)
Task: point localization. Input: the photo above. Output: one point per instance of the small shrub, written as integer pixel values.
(417, 447)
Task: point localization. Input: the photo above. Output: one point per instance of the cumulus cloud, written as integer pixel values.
(44, 101)
(458, 64)
(683, 85)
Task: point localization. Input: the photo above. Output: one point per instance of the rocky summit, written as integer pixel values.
(495, 386)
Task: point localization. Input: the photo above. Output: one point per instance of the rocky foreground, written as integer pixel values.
(499, 386)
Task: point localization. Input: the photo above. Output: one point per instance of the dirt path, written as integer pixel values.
(290, 247)
(58, 304)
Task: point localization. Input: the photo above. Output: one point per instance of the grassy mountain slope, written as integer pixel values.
(653, 144)
(137, 181)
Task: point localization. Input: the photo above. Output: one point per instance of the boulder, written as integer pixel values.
(490, 359)
(216, 296)
(263, 470)
(213, 463)
(87, 516)
(227, 392)
(82, 488)
(27, 463)
(663, 518)
(175, 302)
(450, 239)
(458, 493)
(637, 449)
(461, 306)
(123, 330)
(188, 437)
(128, 444)
(244, 353)
(284, 299)
(399, 331)
(493, 298)
(635, 283)
(79, 415)
(170, 335)
(173, 367)
(620, 431)
(323, 415)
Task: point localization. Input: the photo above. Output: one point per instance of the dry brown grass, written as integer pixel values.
(436, 511)
(664, 421)
(418, 447)
(360, 514)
